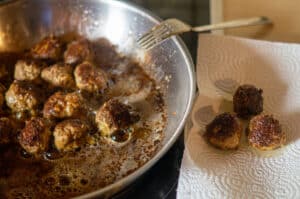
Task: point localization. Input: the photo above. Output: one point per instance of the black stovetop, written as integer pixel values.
(161, 180)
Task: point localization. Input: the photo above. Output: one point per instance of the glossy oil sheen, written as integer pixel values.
(24, 22)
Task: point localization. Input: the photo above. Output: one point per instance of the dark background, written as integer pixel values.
(160, 182)
(193, 12)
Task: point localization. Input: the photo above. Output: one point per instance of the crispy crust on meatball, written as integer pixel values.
(248, 101)
(35, 136)
(265, 133)
(90, 78)
(27, 70)
(224, 131)
(113, 116)
(49, 48)
(70, 134)
(22, 96)
(60, 75)
(64, 105)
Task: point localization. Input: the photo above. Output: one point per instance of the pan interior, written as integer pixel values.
(26, 22)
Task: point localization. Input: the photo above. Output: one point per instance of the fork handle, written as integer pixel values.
(233, 24)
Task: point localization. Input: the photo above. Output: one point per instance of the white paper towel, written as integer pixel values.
(223, 64)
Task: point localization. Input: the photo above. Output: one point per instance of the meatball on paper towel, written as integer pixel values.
(224, 63)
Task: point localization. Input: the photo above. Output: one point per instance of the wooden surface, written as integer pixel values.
(284, 13)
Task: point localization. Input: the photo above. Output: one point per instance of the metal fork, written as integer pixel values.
(171, 27)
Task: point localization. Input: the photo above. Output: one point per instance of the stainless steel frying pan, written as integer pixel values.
(24, 22)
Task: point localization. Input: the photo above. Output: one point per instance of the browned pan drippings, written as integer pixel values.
(99, 159)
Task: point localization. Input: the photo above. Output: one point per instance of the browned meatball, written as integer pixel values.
(114, 116)
(35, 136)
(90, 78)
(27, 70)
(265, 133)
(224, 131)
(248, 101)
(70, 134)
(64, 105)
(50, 48)
(60, 75)
(6, 130)
(79, 51)
(22, 96)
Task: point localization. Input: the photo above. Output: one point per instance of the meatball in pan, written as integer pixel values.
(49, 48)
(70, 134)
(22, 96)
(114, 116)
(35, 136)
(64, 105)
(60, 75)
(28, 70)
(90, 78)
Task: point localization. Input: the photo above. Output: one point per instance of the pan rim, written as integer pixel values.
(192, 81)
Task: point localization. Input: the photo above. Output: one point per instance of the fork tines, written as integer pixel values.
(156, 35)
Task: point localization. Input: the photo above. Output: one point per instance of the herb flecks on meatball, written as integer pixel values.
(224, 131)
(248, 101)
(265, 133)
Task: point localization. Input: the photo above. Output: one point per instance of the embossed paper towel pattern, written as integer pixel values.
(223, 64)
